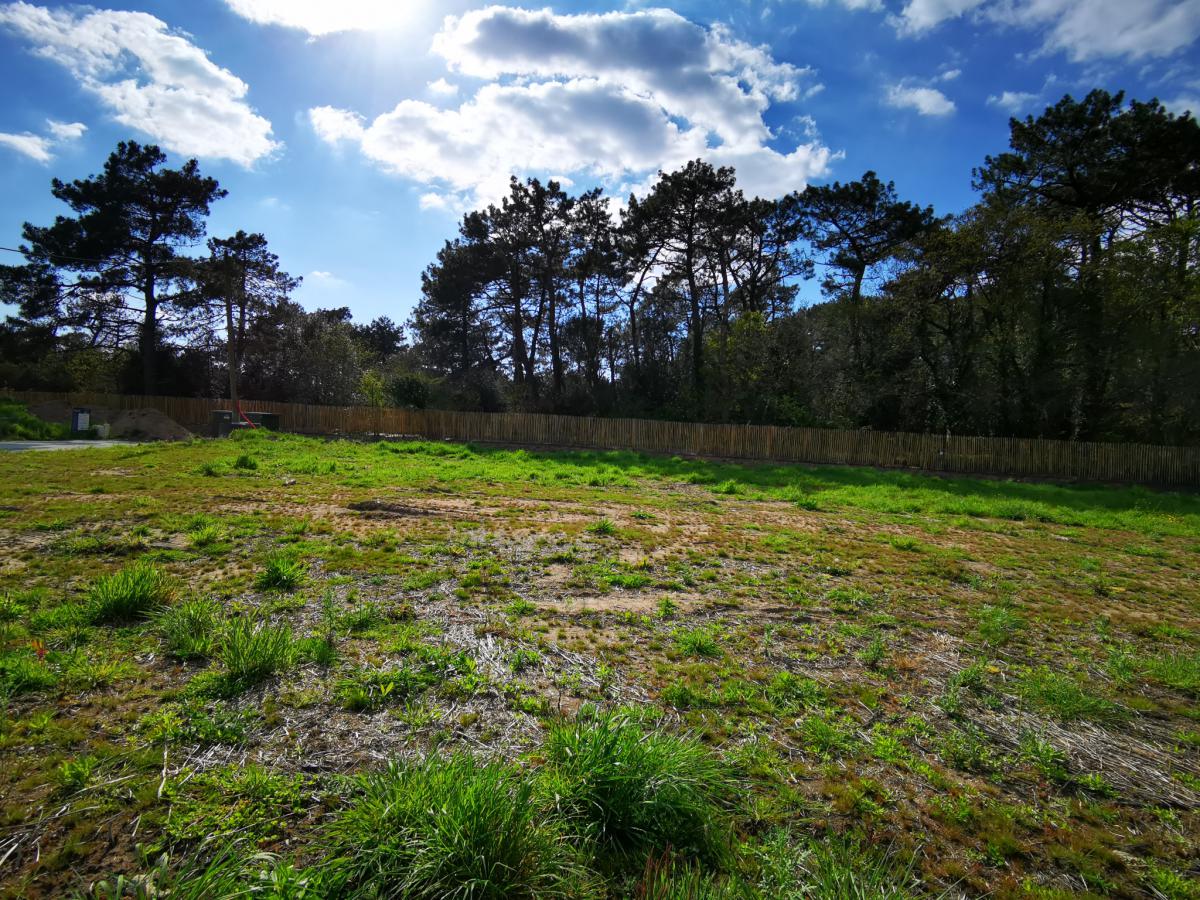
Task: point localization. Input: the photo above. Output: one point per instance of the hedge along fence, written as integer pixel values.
(1017, 457)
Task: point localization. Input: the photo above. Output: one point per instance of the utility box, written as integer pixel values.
(267, 420)
(221, 422)
(81, 420)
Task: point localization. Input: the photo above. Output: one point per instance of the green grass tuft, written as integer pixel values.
(451, 827)
(282, 572)
(132, 593)
(632, 792)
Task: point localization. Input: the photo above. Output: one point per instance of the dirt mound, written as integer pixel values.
(130, 424)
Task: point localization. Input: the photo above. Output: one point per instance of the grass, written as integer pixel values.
(281, 572)
(617, 675)
(252, 652)
(450, 827)
(633, 791)
(132, 593)
(191, 629)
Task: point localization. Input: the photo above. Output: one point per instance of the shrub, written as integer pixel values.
(633, 792)
(450, 827)
(282, 572)
(190, 628)
(252, 652)
(131, 593)
(18, 424)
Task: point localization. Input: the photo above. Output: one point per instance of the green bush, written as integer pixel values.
(633, 792)
(451, 827)
(132, 593)
(18, 424)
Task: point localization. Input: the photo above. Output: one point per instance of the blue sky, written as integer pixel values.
(354, 133)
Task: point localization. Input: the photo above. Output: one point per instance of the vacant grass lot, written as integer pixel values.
(282, 667)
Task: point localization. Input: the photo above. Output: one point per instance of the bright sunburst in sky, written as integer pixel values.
(354, 133)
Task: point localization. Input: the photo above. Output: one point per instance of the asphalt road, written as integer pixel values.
(14, 446)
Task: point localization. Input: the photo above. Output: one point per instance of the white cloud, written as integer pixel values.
(919, 16)
(322, 17)
(1013, 102)
(949, 75)
(149, 78)
(925, 100)
(613, 97)
(66, 131)
(40, 148)
(869, 5)
(1133, 29)
(324, 278)
(1185, 103)
(442, 88)
(32, 145)
(1083, 29)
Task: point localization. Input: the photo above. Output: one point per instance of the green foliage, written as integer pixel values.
(998, 624)
(282, 572)
(450, 827)
(193, 721)
(603, 527)
(1177, 670)
(18, 424)
(632, 791)
(190, 629)
(131, 593)
(1061, 696)
(700, 642)
(246, 463)
(833, 867)
(252, 652)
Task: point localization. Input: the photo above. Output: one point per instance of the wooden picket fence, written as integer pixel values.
(1015, 457)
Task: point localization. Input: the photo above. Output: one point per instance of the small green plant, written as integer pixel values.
(451, 827)
(698, 642)
(205, 537)
(129, 594)
(667, 608)
(520, 607)
(631, 791)
(282, 572)
(998, 624)
(1060, 695)
(873, 654)
(521, 659)
(253, 652)
(191, 628)
(603, 527)
(1044, 757)
(73, 775)
(246, 463)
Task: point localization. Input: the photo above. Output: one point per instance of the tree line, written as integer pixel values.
(1064, 303)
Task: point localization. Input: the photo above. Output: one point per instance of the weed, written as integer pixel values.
(129, 594)
(73, 775)
(450, 827)
(698, 642)
(603, 527)
(1176, 670)
(253, 652)
(191, 628)
(1061, 696)
(282, 572)
(998, 624)
(246, 463)
(633, 791)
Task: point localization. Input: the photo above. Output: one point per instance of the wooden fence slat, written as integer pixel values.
(998, 456)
